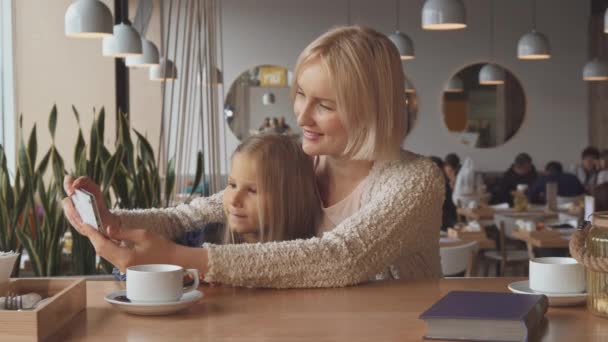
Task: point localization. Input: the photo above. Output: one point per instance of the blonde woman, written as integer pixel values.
(381, 205)
(266, 170)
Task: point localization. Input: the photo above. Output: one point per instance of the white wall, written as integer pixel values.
(555, 124)
(51, 68)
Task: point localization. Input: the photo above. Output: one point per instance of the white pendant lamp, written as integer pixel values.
(404, 44)
(455, 85)
(533, 45)
(148, 58)
(443, 15)
(491, 74)
(125, 42)
(165, 70)
(88, 19)
(409, 88)
(217, 79)
(595, 70)
(268, 99)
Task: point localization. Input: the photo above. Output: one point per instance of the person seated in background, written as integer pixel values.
(568, 184)
(602, 176)
(449, 217)
(274, 126)
(451, 166)
(265, 125)
(600, 195)
(522, 171)
(283, 127)
(587, 171)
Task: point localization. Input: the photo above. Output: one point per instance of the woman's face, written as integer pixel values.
(241, 197)
(315, 108)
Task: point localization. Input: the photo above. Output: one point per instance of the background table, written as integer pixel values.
(386, 311)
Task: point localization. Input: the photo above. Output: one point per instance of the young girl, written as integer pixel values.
(271, 193)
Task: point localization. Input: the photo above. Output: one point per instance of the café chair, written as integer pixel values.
(504, 257)
(459, 260)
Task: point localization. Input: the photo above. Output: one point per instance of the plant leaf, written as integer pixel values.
(53, 122)
(101, 125)
(199, 172)
(76, 115)
(32, 148)
(111, 167)
(169, 181)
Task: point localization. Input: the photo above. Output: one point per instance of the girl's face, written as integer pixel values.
(241, 196)
(315, 108)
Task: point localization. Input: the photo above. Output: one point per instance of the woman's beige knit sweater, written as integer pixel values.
(397, 227)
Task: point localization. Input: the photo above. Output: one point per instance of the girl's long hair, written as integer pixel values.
(288, 201)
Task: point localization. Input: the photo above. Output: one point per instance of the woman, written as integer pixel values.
(451, 166)
(382, 205)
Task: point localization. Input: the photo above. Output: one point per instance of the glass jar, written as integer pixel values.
(520, 200)
(597, 282)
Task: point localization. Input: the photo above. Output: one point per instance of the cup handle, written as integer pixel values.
(194, 273)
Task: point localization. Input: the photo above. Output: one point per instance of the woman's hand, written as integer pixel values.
(145, 247)
(70, 185)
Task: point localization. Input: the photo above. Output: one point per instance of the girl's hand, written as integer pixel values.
(70, 185)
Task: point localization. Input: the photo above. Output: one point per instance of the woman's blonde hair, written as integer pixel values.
(364, 68)
(289, 206)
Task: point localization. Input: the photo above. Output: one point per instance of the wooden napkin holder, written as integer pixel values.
(69, 297)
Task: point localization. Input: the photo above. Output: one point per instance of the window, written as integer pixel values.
(7, 89)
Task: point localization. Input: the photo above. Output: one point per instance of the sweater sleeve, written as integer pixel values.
(395, 219)
(173, 222)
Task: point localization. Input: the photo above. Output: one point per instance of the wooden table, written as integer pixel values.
(386, 311)
(542, 241)
(483, 243)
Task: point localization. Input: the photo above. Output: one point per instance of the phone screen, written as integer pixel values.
(85, 204)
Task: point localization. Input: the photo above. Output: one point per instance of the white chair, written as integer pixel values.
(504, 256)
(458, 259)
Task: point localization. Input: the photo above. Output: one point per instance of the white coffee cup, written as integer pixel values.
(557, 275)
(158, 283)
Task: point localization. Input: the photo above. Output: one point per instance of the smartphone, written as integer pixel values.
(85, 204)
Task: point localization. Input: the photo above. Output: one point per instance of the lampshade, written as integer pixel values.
(455, 85)
(88, 19)
(147, 59)
(595, 70)
(533, 45)
(409, 88)
(491, 74)
(166, 69)
(404, 45)
(218, 77)
(268, 99)
(125, 42)
(443, 15)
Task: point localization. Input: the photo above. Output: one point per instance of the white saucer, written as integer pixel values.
(555, 299)
(152, 309)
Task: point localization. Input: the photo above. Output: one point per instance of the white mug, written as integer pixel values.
(557, 275)
(158, 283)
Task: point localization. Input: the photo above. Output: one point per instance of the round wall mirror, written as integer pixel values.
(483, 105)
(259, 101)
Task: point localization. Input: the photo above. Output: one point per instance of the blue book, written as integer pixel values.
(485, 316)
